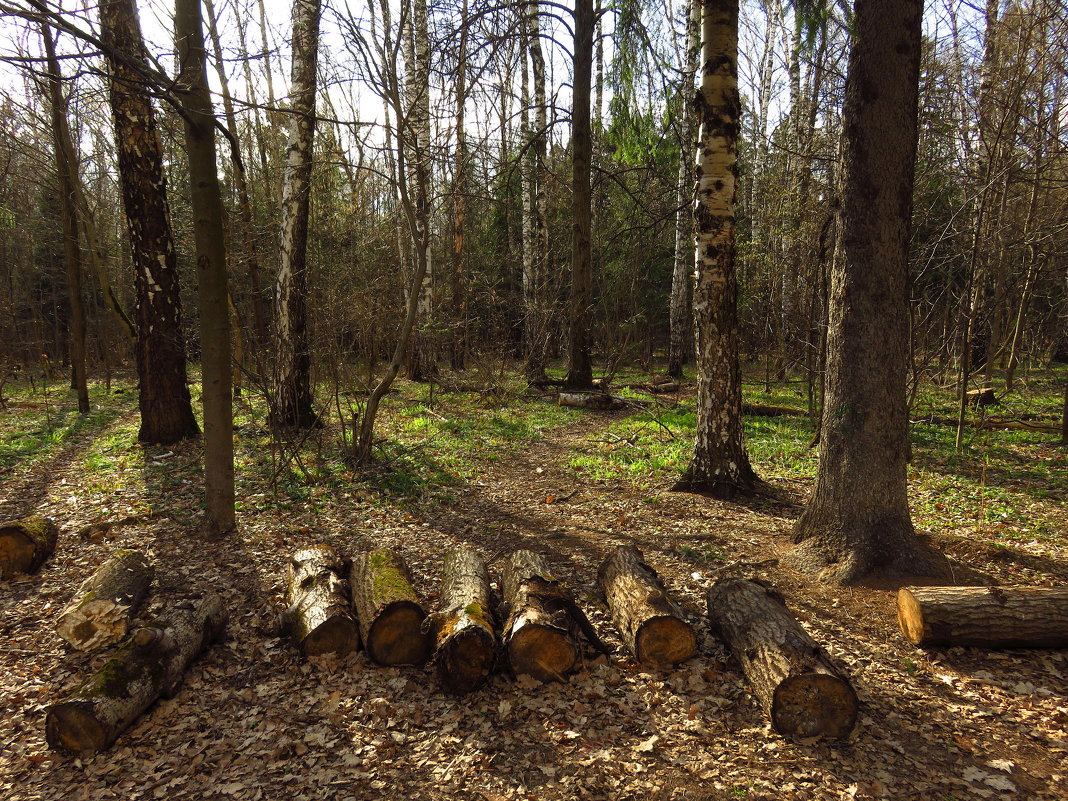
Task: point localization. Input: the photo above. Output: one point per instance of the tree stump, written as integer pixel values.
(982, 397)
(25, 544)
(149, 664)
(804, 693)
(466, 642)
(542, 634)
(651, 624)
(319, 616)
(105, 605)
(388, 610)
(984, 617)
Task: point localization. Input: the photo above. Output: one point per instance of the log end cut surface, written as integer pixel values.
(337, 635)
(466, 659)
(25, 544)
(665, 641)
(72, 726)
(546, 654)
(813, 704)
(910, 617)
(397, 637)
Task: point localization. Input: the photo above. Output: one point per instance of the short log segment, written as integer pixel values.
(984, 617)
(150, 663)
(319, 617)
(802, 691)
(590, 400)
(542, 634)
(25, 544)
(105, 605)
(651, 624)
(466, 642)
(388, 610)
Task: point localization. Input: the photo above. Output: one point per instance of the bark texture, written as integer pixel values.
(799, 686)
(857, 520)
(320, 616)
(984, 617)
(25, 545)
(651, 624)
(105, 605)
(388, 610)
(149, 664)
(466, 644)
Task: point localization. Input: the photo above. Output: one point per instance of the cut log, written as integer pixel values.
(651, 624)
(150, 663)
(802, 691)
(466, 642)
(663, 388)
(319, 616)
(764, 410)
(25, 545)
(590, 400)
(982, 397)
(542, 636)
(984, 617)
(388, 610)
(105, 605)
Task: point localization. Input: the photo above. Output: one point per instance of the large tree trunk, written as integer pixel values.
(148, 665)
(25, 545)
(857, 520)
(388, 610)
(466, 642)
(293, 391)
(105, 605)
(212, 289)
(801, 690)
(319, 616)
(166, 409)
(651, 624)
(720, 465)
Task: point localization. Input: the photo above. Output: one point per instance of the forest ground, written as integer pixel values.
(254, 721)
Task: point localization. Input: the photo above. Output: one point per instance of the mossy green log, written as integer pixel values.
(466, 642)
(388, 610)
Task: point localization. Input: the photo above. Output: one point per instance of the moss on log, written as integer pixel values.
(319, 617)
(388, 610)
(466, 643)
(101, 612)
(25, 544)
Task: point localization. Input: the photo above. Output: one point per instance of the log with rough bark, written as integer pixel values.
(319, 617)
(388, 610)
(466, 642)
(651, 624)
(590, 400)
(804, 693)
(149, 664)
(25, 544)
(984, 617)
(105, 605)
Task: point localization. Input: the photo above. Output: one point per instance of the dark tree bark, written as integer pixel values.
(720, 465)
(857, 520)
(166, 409)
(105, 605)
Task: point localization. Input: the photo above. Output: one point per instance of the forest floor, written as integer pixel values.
(254, 721)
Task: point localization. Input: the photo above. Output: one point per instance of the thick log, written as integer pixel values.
(150, 663)
(764, 410)
(590, 400)
(802, 691)
(25, 544)
(664, 388)
(466, 644)
(388, 610)
(319, 616)
(651, 624)
(984, 617)
(542, 634)
(982, 397)
(105, 605)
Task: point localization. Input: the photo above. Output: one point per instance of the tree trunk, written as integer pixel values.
(466, 643)
(148, 665)
(293, 391)
(541, 301)
(651, 624)
(459, 207)
(105, 605)
(25, 545)
(857, 520)
(801, 690)
(166, 409)
(720, 465)
(388, 610)
(984, 617)
(319, 616)
(212, 290)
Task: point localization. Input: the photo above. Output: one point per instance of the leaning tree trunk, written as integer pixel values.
(720, 465)
(319, 616)
(106, 604)
(466, 642)
(25, 545)
(799, 686)
(149, 664)
(166, 409)
(857, 520)
(388, 610)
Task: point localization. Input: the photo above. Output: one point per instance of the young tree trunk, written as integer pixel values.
(720, 465)
(459, 207)
(293, 391)
(212, 289)
(105, 605)
(388, 610)
(25, 544)
(466, 642)
(166, 409)
(857, 520)
(319, 616)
